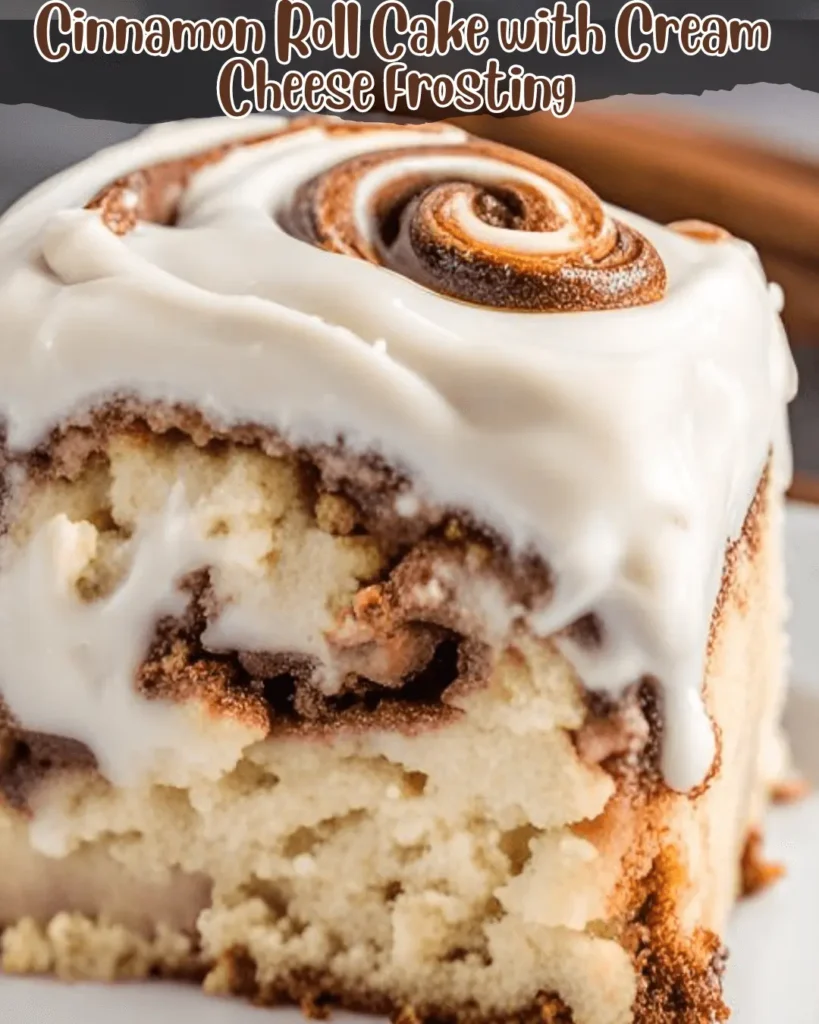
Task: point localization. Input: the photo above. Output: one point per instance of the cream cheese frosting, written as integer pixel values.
(624, 445)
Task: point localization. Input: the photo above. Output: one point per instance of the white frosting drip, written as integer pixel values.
(624, 445)
(92, 652)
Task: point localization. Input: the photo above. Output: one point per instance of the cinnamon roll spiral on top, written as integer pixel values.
(484, 224)
(476, 221)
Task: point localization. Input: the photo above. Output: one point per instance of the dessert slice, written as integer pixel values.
(391, 610)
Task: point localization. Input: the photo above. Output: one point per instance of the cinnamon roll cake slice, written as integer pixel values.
(391, 603)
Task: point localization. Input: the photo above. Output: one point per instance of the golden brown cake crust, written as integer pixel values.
(235, 974)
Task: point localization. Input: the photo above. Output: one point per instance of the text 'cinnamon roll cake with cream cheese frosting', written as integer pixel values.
(391, 601)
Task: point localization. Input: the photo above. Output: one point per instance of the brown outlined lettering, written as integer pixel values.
(553, 30)
(298, 32)
(156, 34)
(42, 30)
(339, 91)
(426, 35)
(245, 84)
(493, 89)
(712, 35)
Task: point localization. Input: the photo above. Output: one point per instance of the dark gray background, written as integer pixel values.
(37, 142)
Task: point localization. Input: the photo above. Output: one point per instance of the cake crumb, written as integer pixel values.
(233, 974)
(336, 515)
(406, 1015)
(789, 791)
(757, 873)
(84, 949)
(218, 979)
(24, 949)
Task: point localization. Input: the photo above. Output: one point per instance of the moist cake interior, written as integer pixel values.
(361, 829)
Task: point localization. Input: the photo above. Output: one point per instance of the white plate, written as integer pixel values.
(772, 974)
